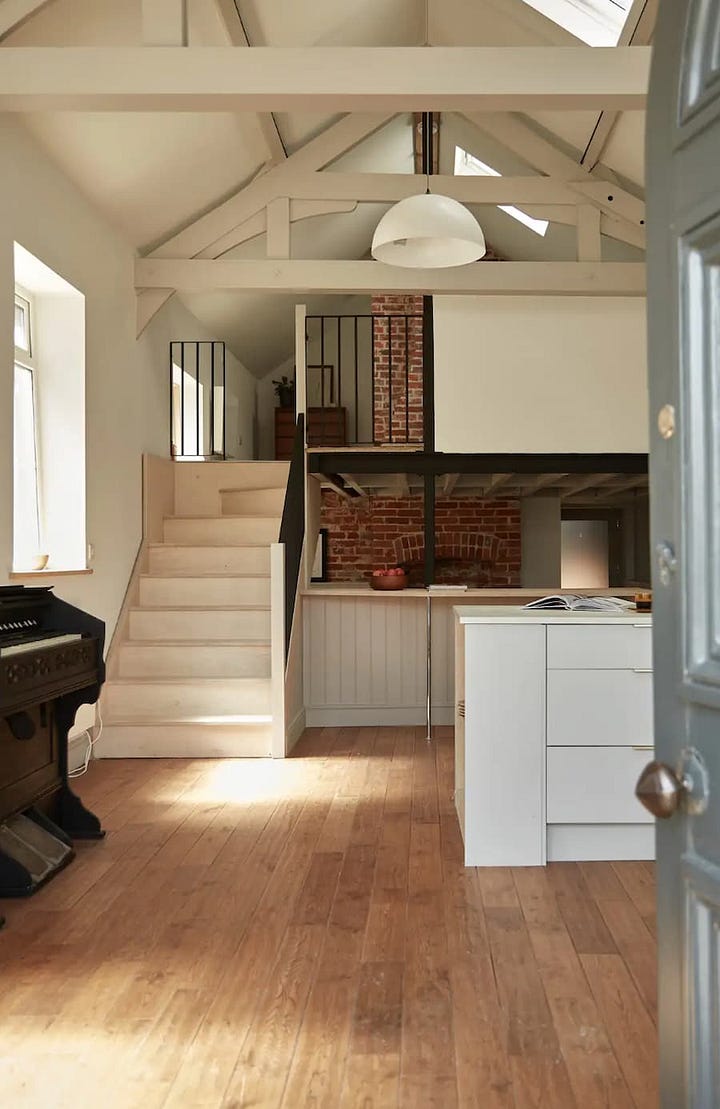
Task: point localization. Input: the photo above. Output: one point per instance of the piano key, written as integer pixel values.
(36, 644)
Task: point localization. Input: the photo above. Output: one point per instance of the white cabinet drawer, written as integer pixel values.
(594, 785)
(599, 708)
(599, 646)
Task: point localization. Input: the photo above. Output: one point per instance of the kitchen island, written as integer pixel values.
(553, 724)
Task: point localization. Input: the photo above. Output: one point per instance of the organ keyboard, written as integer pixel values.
(51, 662)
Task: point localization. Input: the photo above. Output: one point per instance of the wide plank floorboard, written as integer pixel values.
(303, 934)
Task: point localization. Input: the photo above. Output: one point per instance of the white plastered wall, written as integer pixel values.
(127, 383)
(540, 374)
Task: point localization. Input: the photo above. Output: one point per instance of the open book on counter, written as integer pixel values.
(571, 602)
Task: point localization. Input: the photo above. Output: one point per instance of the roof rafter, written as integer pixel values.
(637, 31)
(237, 36)
(203, 237)
(622, 206)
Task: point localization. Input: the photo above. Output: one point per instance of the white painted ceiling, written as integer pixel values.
(152, 174)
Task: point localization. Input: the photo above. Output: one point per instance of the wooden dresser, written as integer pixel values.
(326, 427)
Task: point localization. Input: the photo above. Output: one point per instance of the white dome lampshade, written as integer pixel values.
(428, 231)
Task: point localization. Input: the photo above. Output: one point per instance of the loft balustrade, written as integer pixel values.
(364, 380)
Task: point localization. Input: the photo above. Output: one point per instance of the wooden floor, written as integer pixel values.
(303, 933)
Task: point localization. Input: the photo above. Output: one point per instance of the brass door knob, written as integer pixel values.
(659, 789)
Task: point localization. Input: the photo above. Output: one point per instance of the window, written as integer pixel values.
(596, 22)
(467, 165)
(48, 418)
(26, 492)
(22, 325)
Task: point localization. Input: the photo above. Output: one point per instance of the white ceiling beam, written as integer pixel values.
(322, 79)
(316, 154)
(542, 482)
(630, 483)
(278, 228)
(15, 12)
(511, 131)
(237, 36)
(303, 276)
(351, 481)
(496, 482)
(637, 31)
(614, 228)
(587, 481)
(257, 224)
(164, 22)
(390, 187)
(589, 248)
(612, 200)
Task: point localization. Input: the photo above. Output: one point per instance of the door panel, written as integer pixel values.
(683, 160)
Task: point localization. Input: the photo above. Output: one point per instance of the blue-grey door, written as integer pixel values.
(683, 172)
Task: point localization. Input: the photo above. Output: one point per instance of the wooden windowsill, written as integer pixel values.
(15, 575)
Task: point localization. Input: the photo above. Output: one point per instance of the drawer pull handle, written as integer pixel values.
(643, 747)
(642, 670)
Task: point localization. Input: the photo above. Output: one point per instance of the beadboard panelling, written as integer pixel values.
(366, 655)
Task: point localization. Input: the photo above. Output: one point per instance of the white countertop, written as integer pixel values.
(515, 614)
(505, 594)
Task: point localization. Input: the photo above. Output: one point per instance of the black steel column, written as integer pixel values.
(428, 377)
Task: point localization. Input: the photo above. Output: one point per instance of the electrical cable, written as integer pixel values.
(92, 740)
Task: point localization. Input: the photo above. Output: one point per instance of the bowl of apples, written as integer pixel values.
(389, 579)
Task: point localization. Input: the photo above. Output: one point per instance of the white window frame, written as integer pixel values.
(24, 300)
(27, 359)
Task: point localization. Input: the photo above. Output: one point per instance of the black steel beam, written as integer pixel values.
(422, 462)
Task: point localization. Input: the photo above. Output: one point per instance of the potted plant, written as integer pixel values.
(285, 391)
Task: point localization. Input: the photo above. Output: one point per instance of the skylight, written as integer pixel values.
(467, 165)
(596, 22)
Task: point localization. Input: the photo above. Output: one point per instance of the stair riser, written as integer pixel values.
(209, 560)
(147, 741)
(216, 531)
(168, 701)
(204, 592)
(259, 502)
(213, 625)
(203, 661)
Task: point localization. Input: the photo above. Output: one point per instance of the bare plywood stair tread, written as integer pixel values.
(194, 692)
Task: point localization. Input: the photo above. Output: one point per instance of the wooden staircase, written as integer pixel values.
(192, 677)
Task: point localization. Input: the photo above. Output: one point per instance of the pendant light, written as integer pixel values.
(428, 231)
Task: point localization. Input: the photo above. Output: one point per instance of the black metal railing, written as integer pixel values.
(364, 379)
(197, 399)
(292, 526)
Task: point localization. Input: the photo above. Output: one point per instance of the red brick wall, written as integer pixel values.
(476, 541)
(390, 349)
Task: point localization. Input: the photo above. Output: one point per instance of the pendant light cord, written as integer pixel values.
(426, 132)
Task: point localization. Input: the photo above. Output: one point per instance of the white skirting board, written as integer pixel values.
(597, 842)
(360, 716)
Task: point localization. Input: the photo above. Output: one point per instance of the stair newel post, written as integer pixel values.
(277, 647)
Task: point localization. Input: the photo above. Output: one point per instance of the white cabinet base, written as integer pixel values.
(597, 842)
